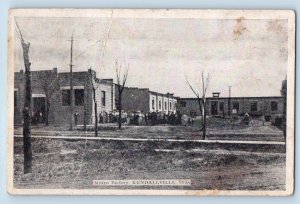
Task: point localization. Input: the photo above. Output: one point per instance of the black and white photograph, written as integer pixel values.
(151, 102)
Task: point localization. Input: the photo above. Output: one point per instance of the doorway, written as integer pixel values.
(38, 110)
(214, 108)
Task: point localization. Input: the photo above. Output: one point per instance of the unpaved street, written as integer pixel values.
(75, 163)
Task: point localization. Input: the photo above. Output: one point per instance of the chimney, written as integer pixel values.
(55, 69)
(216, 94)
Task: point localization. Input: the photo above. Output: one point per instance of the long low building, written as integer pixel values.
(222, 106)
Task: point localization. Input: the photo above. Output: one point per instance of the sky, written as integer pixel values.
(162, 54)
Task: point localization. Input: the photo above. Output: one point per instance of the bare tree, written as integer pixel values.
(49, 85)
(121, 81)
(201, 98)
(27, 105)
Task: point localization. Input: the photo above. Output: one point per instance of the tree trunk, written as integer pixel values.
(204, 122)
(200, 107)
(47, 106)
(203, 115)
(84, 111)
(84, 116)
(27, 112)
(120, 110)
(96, 112)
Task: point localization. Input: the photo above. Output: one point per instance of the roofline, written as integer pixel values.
(242, 97)
(73, 72)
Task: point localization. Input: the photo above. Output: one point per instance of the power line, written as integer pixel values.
(88, 47)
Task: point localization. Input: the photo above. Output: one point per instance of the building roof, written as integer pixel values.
(241, 97)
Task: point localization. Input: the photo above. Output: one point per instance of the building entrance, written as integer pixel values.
(214, 107)
(38, 110)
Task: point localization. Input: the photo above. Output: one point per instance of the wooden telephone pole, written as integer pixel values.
(27, 106)
(71, 87)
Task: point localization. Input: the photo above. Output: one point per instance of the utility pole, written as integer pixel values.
(27, 106)
(71, 87)
(229, 100)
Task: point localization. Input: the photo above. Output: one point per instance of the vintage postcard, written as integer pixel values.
(151, 102)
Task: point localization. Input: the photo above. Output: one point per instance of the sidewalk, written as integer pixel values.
(157, 140)
(159, 132)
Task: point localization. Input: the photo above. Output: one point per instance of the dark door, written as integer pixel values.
(214, 107)
(38, 109)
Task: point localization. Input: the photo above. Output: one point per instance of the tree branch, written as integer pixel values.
(197, 94)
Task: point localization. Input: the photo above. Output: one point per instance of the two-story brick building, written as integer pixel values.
(54, 87)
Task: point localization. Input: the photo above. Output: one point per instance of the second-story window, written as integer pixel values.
(153, 104)
(66, 97)
(103, 98)
(79, 97)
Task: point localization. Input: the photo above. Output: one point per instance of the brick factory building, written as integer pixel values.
(218, 106)
(56, 87)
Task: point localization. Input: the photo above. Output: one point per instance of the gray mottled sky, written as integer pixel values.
(249, 55)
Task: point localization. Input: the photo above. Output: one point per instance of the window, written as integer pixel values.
(253, 106)
(159, 104)
(222, 106)
(66, 97)
(236, 105)
(79, 97)
(183, 104)
(15, 98)
(117, 104)
(274, 106)
(170, 107)
(153, 104)
(103, 98)
(165, 105)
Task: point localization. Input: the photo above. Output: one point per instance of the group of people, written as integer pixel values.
(141, 118)
(37, 117)
(159, 117)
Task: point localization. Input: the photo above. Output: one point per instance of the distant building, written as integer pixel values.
(255, 106)
(136, 99)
